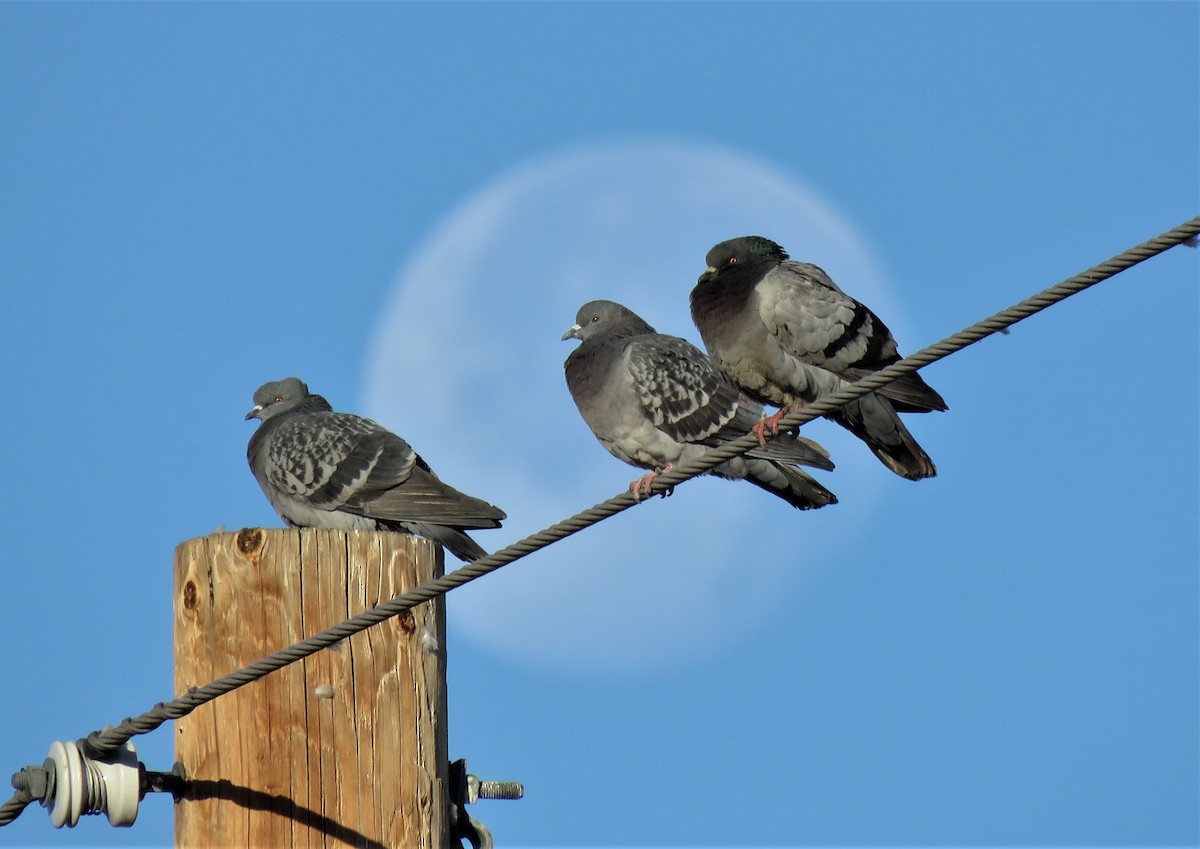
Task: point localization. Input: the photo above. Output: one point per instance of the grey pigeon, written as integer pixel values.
(654, 401)
(786, 334)
(321, 469)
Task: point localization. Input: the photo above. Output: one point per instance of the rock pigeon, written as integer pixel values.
(654, 401)
(321, 469)
(786, 334)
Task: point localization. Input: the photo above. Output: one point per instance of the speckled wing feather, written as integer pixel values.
(691, 400)
(339, 461)
(326, 458)
(680, 391)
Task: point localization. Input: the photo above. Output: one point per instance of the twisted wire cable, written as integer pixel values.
(11, 809)
(99, 744)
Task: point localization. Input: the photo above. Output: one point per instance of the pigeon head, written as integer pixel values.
(597, 318)
(280, 396)
(737, 255)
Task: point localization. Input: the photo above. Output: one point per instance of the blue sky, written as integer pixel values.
(404, 204)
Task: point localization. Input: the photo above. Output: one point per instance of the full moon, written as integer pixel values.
(466, 363)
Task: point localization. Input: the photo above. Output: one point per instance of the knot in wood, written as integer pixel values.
(190, 595)
(250, 543)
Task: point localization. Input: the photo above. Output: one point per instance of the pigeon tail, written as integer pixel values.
(455, 541)
(873, 420)
(424, 496)
(908, 394)
(787, 482)
(794, 450)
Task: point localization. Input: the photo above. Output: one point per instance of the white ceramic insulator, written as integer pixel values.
(86, 786)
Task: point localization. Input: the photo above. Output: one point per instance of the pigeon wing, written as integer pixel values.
(327, 458)
(339, 461)
(821, 325)
(680, 390)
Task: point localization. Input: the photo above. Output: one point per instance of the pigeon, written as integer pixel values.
(786, 334)
(321, 469)
(654, 400)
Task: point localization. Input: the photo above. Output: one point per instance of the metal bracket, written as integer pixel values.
(466, 790)
(172, 782)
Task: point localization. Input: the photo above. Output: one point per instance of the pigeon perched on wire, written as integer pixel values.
(654, 401)
(786, 334)
(321, 469)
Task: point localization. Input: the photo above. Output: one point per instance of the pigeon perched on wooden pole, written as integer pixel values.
(654, 400)
(321, 469)
(786, 334)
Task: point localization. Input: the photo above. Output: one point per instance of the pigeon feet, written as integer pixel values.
(641, 487)
(772, 422)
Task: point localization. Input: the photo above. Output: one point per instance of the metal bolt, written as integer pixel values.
(500, 789)
(35, 779)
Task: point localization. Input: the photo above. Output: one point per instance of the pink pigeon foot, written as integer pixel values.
(641, 487)
(772, 422)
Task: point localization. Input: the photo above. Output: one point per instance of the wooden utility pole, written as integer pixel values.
(345, 748)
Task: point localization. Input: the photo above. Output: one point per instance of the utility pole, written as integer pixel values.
(345, 748)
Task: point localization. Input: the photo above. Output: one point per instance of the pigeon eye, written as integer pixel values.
(732, 261)
(595, 318)
(278, 399)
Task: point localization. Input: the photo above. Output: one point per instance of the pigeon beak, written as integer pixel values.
(573, 333)
(708, 272)
(253, 414)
